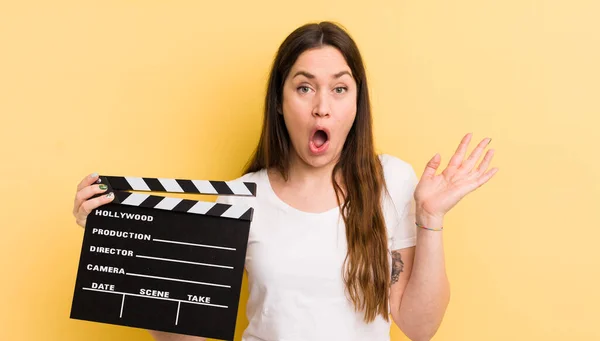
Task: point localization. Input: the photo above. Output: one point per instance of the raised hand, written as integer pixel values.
(436, 194)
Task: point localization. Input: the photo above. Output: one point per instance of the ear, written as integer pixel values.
(279, 111)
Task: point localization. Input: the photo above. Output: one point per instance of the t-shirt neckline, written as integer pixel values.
(285, 206)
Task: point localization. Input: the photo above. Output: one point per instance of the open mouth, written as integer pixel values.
(319, 141)
(319, 138)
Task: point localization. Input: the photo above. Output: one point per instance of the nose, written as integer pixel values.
(321, 107)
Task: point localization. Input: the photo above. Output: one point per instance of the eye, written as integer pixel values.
(340, 89)
(303, 89)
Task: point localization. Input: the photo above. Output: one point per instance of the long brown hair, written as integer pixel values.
(366, 267)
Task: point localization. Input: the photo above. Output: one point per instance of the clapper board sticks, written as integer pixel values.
(163, 263)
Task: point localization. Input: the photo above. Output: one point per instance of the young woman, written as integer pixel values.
(341, 237)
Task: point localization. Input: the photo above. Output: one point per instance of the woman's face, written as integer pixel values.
(319, 105)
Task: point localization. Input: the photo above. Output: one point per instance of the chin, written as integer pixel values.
(319, 161)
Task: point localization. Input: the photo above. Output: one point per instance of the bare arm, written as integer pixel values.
(423, 294)
(420, 289)
(163, 336)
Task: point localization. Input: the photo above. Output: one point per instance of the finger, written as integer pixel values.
(475, 154)
(432, 166)
(486, 177)
(485, 163)
(88, 180)
(86, 193)
(89, 205)
(459, 155)
(475, 183)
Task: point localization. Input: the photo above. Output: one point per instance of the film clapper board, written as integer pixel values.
(164, 263)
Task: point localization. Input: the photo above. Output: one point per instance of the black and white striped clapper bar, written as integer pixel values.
(164, 263)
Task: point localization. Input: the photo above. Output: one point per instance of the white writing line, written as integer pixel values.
(122, 303)
(192, 244)
(177, 317)
(185, 261)
(156, 298)
(179, 280)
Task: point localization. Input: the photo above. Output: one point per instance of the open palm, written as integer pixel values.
(435, 194)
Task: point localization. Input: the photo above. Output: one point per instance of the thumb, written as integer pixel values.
(432, 166)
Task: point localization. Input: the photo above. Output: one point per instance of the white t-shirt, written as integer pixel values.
(294, 263)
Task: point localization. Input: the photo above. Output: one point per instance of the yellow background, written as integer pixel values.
(175, 89)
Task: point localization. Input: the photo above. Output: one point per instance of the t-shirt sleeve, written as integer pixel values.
(401, 182)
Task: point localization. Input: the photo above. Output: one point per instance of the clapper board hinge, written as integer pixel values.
(122, 186)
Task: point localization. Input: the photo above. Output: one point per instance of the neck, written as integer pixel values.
(307, 188)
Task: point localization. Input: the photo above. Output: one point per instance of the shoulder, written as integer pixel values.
(400, 182)
(251, 177)
(396, 171)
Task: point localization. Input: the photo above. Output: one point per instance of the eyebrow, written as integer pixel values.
(311, 76)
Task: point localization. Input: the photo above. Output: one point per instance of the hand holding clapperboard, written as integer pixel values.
(164, 263)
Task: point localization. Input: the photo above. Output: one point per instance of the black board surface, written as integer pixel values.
(161, 270)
